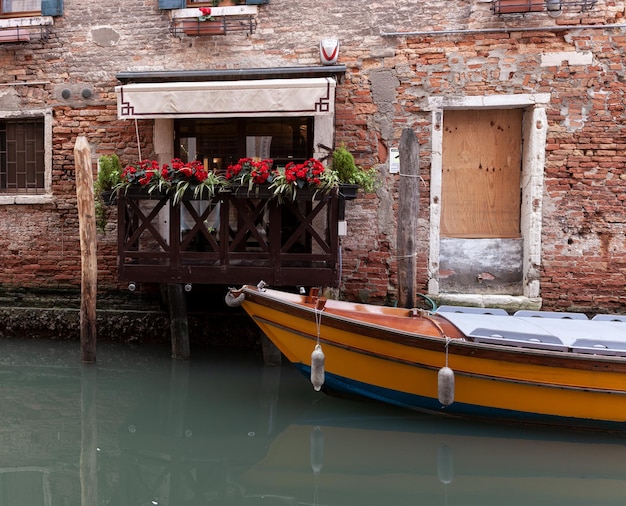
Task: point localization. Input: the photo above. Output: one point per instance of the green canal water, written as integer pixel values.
(222, 429)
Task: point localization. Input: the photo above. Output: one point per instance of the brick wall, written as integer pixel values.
(386, 88)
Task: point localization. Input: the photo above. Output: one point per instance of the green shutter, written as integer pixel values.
(51, 7)
(172, 4)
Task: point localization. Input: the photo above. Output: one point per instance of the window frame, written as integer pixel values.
(46, 192)
(19, 14)
(48, 8)
(190, 4)
(245, 127)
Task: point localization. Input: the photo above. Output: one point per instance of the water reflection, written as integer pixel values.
(140, 429)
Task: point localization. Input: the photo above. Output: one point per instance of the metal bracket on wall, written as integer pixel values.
(221, 25)
(552, 7)
(24, 34)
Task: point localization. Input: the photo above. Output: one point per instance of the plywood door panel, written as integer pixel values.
(481, 173)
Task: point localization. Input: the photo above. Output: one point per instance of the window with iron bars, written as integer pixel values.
(22, 156)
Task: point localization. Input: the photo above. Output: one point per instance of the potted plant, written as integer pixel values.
(351, 176)
(205, 24)
(109, 170)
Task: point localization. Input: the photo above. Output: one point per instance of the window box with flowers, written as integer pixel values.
(205, 24)
(247, 178)
(206, 20)
(257, 179)
(517, 6)
(178, 180)
(309, 179)
(251, 178)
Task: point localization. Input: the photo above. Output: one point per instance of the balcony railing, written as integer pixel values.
(233, 238)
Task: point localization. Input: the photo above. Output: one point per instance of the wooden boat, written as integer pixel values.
(538, 367)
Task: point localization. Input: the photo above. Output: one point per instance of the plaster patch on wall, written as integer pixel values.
(576, 115)
(572, 57)
(9, 99)
(104, 36)
(384, 85)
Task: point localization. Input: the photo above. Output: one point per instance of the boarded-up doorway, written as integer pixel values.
(481, 245)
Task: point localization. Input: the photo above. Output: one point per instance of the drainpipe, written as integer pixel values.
(469, 31)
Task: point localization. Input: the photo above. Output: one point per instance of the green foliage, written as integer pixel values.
(350, 173)
(205, 189)
(109, 170)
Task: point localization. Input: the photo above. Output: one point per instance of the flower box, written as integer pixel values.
(348, 191)
(260, 191)
(109, 197)
(517, 6)
(195, 28)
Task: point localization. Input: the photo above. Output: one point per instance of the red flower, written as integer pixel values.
(305, 173)
(247, 169)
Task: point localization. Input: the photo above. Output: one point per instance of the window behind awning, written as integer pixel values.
(214, 99)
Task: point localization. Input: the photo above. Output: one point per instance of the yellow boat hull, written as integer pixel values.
(369, 359)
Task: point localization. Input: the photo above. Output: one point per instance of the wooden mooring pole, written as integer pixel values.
(408, 209)
(89, 436)
(179, 325)
(89, 263)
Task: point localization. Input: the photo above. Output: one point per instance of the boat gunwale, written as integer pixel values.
(461, 347)
(458, 372)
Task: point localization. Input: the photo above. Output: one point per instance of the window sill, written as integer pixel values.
(26, 199)
(27, 21)
(235, 10)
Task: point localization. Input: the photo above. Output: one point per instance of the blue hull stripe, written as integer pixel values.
(346, 386)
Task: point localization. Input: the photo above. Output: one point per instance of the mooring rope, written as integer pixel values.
(318, 322)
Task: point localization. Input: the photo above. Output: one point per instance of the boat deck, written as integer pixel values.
(565, 332)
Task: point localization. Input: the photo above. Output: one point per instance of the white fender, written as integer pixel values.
(445, 383)
(317, 368)
(232, 301)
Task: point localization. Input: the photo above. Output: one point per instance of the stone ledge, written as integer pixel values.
(509, 303)
(206, 330)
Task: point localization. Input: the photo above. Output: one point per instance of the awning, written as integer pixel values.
(214, 99)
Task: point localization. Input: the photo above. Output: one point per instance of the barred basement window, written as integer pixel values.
(22, 156)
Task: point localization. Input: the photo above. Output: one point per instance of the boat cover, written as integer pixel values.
(599, 336)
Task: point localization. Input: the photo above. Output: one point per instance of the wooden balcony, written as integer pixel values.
(231, 239)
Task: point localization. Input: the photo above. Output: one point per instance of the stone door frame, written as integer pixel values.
(534, 134)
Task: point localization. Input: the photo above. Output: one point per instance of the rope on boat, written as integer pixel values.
(234, 297)
(433, 304)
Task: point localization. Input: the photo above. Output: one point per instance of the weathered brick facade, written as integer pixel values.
(452, 50)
